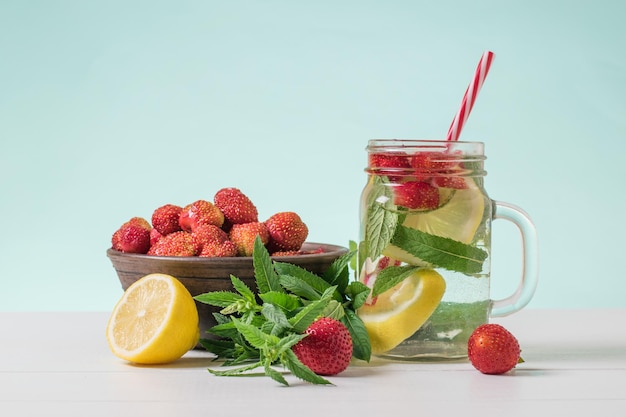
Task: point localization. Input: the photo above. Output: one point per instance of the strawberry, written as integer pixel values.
(133, 236)
(455, 182)
(200, 212)
(397, 163)
(165, 219)
(216, 249)
(236, 206)
(287, 231)
(416, 195)
(154, 236)
(492, 349)
(327, 348)
(205, 234)
(175, 244)
(243, 235)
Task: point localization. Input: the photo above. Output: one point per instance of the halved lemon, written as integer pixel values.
(458, 219)
(402, 310)
(155, 321)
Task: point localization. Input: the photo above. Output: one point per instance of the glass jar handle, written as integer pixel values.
(530, 265)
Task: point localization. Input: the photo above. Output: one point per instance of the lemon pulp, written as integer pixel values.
(402, 310)
(155, 321)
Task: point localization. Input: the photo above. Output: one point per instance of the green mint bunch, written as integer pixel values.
(259, 330)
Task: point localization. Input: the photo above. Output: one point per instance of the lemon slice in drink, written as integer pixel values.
(458, 219)
(155, 321)
(402, 310)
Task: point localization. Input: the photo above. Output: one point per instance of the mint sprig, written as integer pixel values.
(440, 251)
(258, 330)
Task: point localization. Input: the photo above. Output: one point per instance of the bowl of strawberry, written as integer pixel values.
(204, 242)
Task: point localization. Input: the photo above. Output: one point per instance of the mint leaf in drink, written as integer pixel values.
(440, 251)
(381, 218)
(390, 276)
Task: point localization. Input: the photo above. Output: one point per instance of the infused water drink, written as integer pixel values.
(425, 248)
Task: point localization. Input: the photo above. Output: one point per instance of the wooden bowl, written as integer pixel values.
(200, 275)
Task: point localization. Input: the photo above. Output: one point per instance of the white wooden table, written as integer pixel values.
(59, 364)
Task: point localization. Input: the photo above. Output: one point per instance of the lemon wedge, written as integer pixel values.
(402, 310)
(458, 219)
(155, 321)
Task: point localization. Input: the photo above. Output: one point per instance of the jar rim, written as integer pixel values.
(435, 145)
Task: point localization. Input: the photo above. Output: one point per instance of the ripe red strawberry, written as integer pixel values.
(133, 236)
(327, 348)
(215, 249)
(397, 164)
(236, 206)
(154, 236)
(200, 212)
(492, 349)
(165, 219)
(416, 195)
(287, 232)
(457, 183)
(207, 233)
(243, 235)
(174, 244)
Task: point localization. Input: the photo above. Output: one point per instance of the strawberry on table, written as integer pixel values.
(492, 349)
(327, 348)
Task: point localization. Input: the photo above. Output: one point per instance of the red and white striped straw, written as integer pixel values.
(470, 96)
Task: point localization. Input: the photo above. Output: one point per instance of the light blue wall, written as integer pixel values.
(110, 109)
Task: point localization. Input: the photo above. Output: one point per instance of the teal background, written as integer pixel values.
(111, 109)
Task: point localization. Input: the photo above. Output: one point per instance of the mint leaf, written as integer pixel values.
(361, 347)
(301, 275)
(357, 292)
(275, 375)
(286, 302)
(219, 298)
(276, 319)
(440, 251)
(390, 276)
(381, 219)
(303, 319)
(301, 371)
(338, 273)
(242, 289)
(299, 287)
(264, 273)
